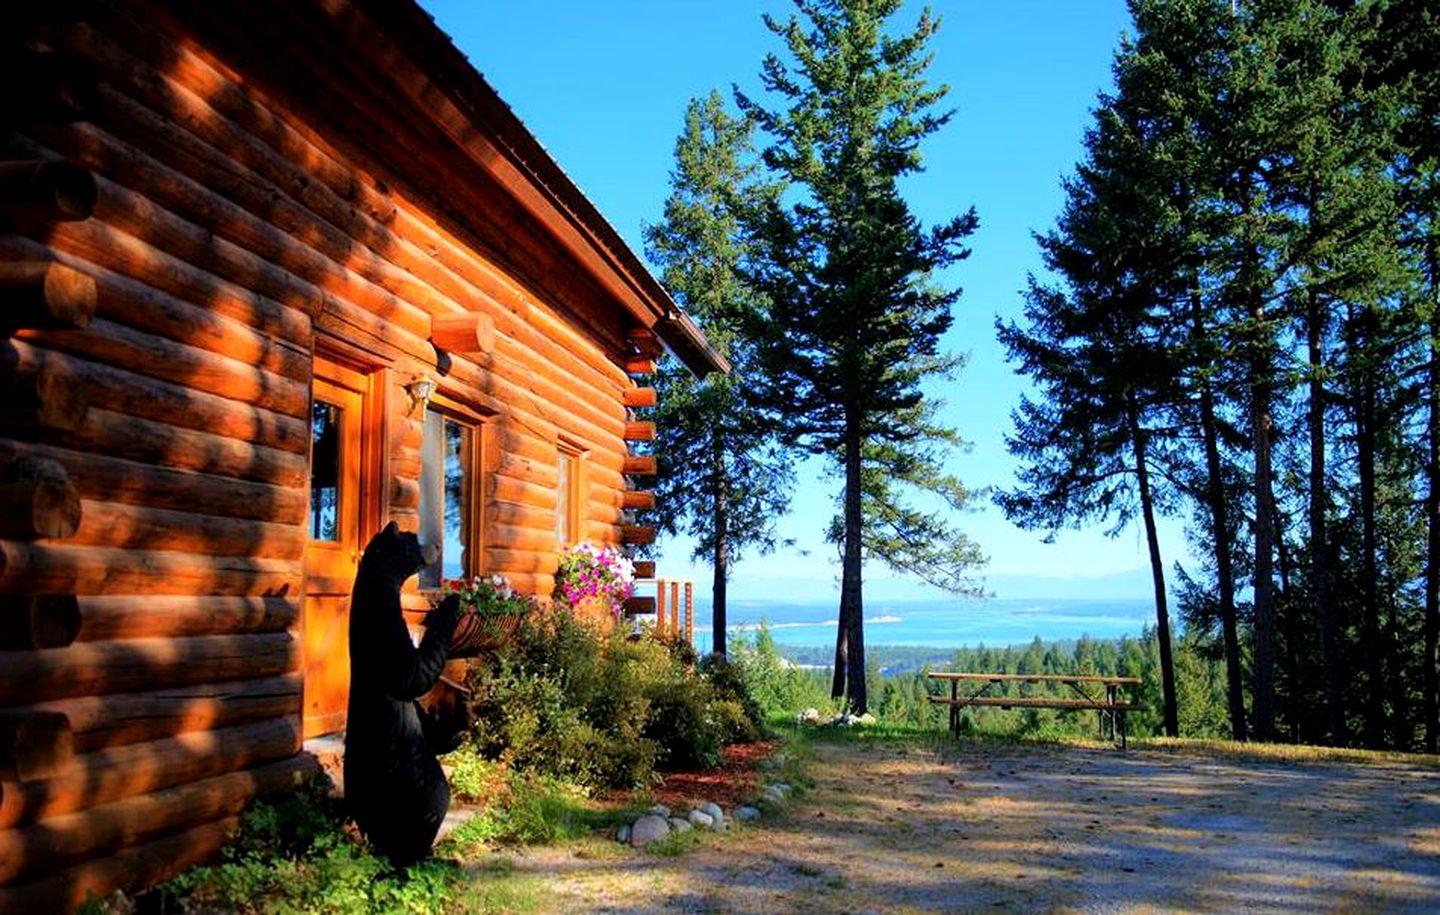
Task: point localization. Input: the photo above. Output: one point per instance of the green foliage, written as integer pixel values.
(735, 700)
(723, 477)
(852, 329)
(904, 712)
(1244, 310)
(295, 856)
(777, 686)
(596, 710)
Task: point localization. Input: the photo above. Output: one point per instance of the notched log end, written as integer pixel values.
(35, 621)
(37, 500)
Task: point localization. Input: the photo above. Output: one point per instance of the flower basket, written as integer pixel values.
(594, 582)
(478, 633)
(490, 614)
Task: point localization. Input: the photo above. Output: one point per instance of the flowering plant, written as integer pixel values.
(587, 571)
(490, 595)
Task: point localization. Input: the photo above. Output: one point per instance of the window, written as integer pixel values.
(568, 496)
(447, 491)
(325, 456)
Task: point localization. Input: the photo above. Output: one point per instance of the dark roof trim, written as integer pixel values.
(467, 108)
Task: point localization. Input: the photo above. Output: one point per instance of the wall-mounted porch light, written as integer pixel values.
(420, 391)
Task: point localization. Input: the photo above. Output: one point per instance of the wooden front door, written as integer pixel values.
(337, 483)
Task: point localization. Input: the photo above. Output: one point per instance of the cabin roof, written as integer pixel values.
(552, 196)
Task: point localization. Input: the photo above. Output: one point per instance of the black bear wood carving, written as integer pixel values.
(393, 785)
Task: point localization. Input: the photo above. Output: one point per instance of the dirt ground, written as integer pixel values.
(1032, 828)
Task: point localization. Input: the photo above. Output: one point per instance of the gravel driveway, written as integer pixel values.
(1031, 828)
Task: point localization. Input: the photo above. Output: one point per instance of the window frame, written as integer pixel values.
(574, 491)
(476, 495)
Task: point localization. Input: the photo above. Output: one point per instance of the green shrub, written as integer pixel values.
(778, 688)
(734, 722)
(596, 709)
(295, 855)
(731, 686)
(683, 726)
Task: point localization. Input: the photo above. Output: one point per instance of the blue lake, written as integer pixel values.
(938, 623)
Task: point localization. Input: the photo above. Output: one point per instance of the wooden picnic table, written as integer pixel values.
(1110, 706)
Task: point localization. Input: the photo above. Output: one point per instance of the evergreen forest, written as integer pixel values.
(1241, 328)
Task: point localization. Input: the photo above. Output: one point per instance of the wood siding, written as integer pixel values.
(235, 232)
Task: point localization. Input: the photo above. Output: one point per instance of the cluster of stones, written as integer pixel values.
(812, 718)
(658, 822)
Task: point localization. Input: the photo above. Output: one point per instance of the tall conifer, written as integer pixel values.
(855, 316)
(724, 479)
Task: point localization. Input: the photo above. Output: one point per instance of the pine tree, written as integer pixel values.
(855, 318)
(724, 479)
(1401, 54)
(1096, 352)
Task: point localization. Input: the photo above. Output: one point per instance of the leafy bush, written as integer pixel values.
(776, 686)
(731, 686)
(602, 709)
(682, 725)
(734, 722)
(295, 855)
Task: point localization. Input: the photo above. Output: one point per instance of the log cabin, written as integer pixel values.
(273, 273)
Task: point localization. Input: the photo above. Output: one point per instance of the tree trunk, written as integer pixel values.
(720, 561)
(1320, 584)
(1157, 571)
(1220, 525)
(1431, 676)
(1371, 648)
(1432, 657)
(850, 636)
(1289, 703)
(1262, 428)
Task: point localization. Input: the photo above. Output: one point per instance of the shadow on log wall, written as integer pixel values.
(184, 212)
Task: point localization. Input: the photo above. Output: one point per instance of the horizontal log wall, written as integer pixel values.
(195, 235)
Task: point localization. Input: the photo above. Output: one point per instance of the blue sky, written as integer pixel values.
(604, 87)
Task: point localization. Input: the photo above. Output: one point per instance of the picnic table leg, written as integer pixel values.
(954, 708)
(1110, 697)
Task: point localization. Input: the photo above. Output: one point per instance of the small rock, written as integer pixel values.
(866, 719)
(647, 829)
(772, 795)
(660, 810)
(714, 812)
(622, 835)
(679, 825)
(783, 788)
(747, 813)
(701, 819)
(810, 716)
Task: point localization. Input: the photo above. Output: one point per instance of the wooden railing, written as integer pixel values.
(673, 606)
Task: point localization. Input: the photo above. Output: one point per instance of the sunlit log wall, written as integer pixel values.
(190, 207)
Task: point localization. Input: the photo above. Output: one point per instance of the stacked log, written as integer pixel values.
(540, 376)
(179, 236)
(153, 446)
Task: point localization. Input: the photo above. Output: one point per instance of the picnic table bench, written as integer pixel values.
(1110, 706)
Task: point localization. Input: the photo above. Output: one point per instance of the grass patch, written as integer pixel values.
(1191, 746)
(537, 810)
(500, 893)
(881, 733)
(675, 844)
(1283, 752)
(296, 855)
